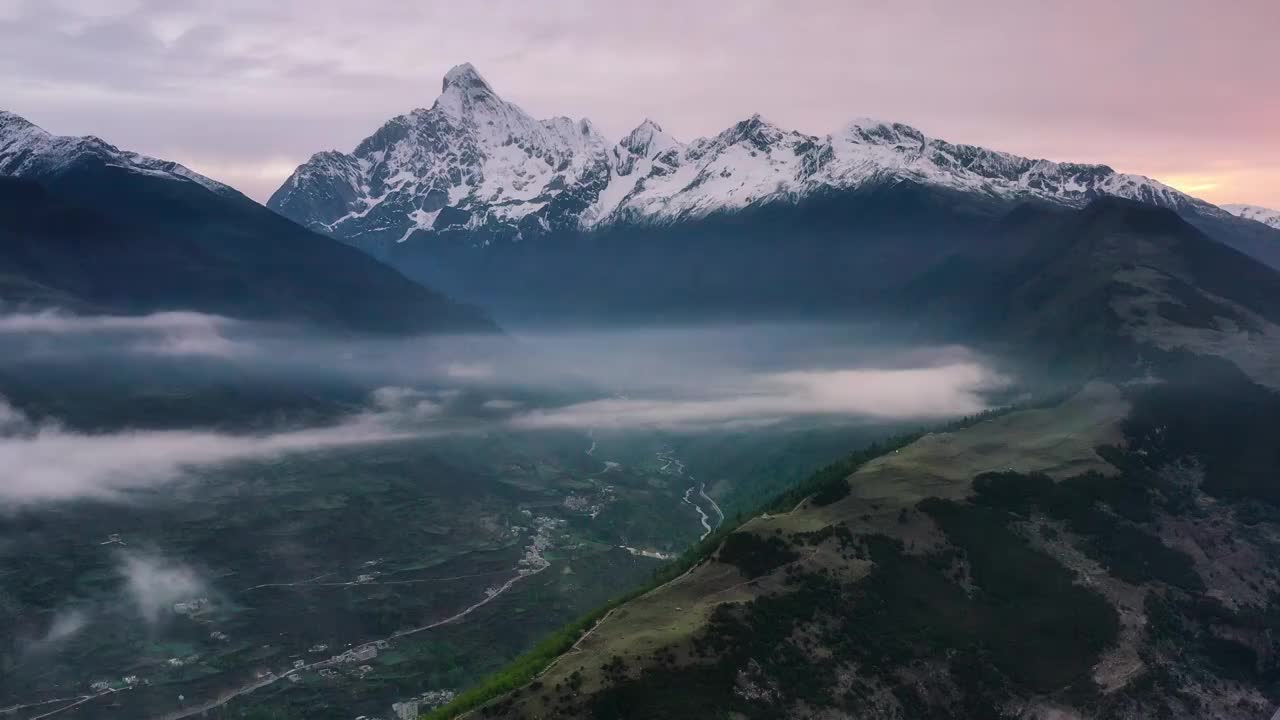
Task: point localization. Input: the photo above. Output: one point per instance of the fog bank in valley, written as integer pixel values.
(350, 391)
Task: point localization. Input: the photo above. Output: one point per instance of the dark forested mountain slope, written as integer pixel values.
(1112, 554)
(827, 256)
(1087, 287)
(86, 226)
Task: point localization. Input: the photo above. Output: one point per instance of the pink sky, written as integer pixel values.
(1181, 90)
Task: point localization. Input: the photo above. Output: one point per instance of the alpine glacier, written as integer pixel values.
(476, 162)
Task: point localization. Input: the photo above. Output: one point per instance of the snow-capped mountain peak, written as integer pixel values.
(870, 131)
(1257, 213)
(465, 92)
(27, 150)
(465, 76)
(472, 161)
(756, 132)
(648, 140)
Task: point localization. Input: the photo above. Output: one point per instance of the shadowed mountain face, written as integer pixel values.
(1109, 553)
(829, 256)
(86, 226)
(1084, 288)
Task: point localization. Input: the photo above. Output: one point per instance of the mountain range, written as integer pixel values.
(477, 164)
(87, 227)
(546, 220)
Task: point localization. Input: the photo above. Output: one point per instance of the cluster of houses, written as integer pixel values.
(371, 575)
(126, 682)
(533, 560)
(192, 607)
(410, 709)
(590, 505)
(362, 653)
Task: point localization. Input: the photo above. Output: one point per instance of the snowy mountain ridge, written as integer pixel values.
(473, 161)
(1266, 216)
(470, 156)
(27, 150)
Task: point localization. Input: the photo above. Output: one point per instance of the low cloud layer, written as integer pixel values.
(921, 393)
(45, 461)
(167, 333)
(81, 395)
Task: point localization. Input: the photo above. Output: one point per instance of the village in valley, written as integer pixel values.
(393, 615)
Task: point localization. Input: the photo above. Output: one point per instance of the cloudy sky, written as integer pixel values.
(243, 90)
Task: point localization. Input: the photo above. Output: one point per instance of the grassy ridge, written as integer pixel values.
(527, 666)
(826, 486)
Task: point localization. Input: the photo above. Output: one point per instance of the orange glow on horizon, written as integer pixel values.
(1192, 185)
(1252, 186)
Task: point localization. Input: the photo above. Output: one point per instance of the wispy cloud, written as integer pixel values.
(406, 401)
(66, 624)
(58, 323)
(473, 372)
(921, 393)
(45, 461)
(154, 583)
(151, 583)
(166, 333)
